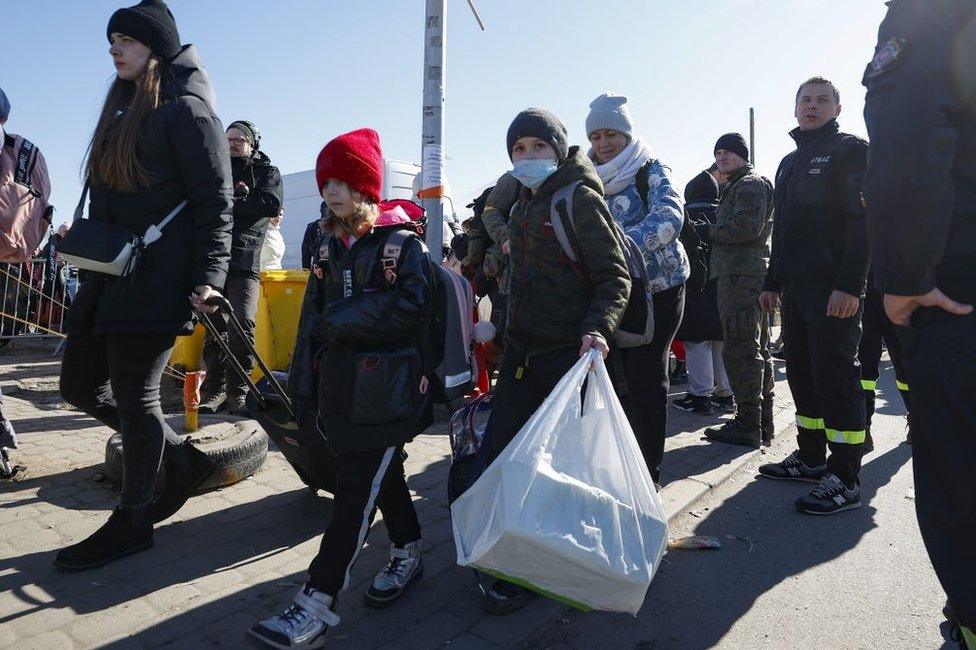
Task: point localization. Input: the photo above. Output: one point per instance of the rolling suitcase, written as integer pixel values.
(304, 446)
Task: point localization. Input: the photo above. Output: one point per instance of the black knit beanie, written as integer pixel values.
(248, 129)
(735, 143)
(539, 123)
(701, 188)
(151, 23)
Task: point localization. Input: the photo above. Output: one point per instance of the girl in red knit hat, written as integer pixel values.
(365, 312)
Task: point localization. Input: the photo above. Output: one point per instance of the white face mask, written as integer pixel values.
(532, 172)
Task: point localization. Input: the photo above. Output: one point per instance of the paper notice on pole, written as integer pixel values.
(433, 164)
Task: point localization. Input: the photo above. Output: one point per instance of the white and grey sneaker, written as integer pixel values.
(406, 565)
(303, 625)
(829, 497)
(792, 468)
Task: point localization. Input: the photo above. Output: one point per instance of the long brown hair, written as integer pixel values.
(112, 156)
(362, 220)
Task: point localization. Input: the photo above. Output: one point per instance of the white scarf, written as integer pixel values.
(619, 173)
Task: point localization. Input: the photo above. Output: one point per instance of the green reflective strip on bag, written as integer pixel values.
(846, 437)
(804, 422)
(528, 585)
(901, 385)
(869, 384)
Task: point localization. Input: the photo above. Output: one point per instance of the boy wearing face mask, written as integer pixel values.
(557, 310)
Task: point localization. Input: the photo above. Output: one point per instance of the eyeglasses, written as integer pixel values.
(237, 140)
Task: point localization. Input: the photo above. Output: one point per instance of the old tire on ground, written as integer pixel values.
(237, 445)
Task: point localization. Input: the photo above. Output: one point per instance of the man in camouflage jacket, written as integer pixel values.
(740, 241)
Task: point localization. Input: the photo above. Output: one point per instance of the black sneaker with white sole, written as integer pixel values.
(212, 404)
(694, 404)
(724, 403)
(405, 566)
(829, 497)
(504, 597)
(792, 468)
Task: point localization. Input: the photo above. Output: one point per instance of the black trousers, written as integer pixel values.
(645, 399)
(940, 359)
(825, 379)
(878, 330)
(115, 379)
(242, 292)
(364, 482)
(523, 385)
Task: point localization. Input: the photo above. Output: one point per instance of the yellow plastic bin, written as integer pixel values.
(188, 351)
(279, 308)
(276, 326)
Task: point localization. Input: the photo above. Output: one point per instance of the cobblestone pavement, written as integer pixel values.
(238, 554)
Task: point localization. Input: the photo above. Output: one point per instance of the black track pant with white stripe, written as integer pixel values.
(364, 482)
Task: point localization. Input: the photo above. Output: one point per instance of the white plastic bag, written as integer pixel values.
(568, 508)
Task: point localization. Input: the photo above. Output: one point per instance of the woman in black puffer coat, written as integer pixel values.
(157, 142)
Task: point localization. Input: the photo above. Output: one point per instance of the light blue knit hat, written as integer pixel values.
(609, 111)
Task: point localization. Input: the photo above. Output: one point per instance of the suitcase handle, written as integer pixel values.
(223, 306)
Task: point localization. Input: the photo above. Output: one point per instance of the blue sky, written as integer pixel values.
(305, 71)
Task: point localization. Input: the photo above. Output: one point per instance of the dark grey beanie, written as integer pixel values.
(151, 23)
(249, 130)
(735, 143)
(539, 123)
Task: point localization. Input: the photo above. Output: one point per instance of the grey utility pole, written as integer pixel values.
(432, 136)
(752, 136)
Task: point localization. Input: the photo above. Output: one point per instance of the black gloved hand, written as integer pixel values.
(241, 190)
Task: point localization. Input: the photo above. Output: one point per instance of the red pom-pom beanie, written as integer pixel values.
(355, 159)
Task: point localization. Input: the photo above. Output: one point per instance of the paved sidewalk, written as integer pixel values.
(238, 554)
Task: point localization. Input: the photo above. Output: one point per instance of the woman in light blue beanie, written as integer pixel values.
(644, 201)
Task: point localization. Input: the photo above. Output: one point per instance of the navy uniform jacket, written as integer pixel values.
(920, 111)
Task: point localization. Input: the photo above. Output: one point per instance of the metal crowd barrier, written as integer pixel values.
(34, 297)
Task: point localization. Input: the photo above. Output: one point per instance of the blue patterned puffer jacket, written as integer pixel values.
(655, 228)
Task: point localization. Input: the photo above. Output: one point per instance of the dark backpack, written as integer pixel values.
(637, 325)
(695, 249)
(449, 341)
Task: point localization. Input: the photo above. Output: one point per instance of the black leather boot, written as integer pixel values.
(127, 531)
(734, 432)
(187, 468)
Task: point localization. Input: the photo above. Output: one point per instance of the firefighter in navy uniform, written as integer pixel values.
(920, 192)
(819, 265)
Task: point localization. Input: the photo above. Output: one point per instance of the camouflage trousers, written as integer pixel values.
(746, 350)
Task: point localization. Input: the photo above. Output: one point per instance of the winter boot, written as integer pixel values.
(127, 531)
(734, 432)
(187, 468)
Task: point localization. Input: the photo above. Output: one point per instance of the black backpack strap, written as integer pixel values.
(390, 254)
(563, 221)
(26, 159)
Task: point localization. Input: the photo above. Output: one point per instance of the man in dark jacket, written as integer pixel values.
(920, 191)
(819, 264)
(739, 241)
(257, 199)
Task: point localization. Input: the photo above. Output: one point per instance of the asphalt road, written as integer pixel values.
(782, 579)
